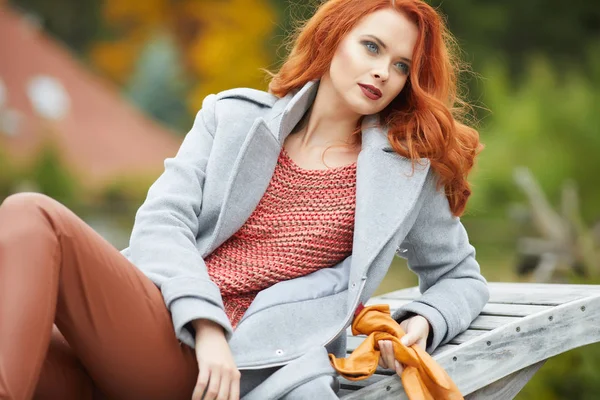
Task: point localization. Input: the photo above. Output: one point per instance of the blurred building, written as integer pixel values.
(46, 93)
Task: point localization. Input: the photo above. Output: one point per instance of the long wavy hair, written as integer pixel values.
(424, 120)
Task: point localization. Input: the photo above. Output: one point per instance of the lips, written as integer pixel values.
(376, 92)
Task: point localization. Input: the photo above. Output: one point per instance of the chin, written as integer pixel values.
(361, 107)
(368, 110)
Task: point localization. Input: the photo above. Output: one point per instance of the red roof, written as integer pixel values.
(100, 134)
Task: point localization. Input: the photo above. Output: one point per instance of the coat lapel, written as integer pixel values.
(249, 179)
(386, 187)
(386, 191)
(256, 161)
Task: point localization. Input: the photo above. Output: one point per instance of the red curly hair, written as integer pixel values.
(423, 120)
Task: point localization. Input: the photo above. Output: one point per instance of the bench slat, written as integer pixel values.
(355, 385)
(537, 296)
(489, 322)
(354, 341)
(518, 293)
(466, 336)
(513, 310)
(504, 309)
(443, 348)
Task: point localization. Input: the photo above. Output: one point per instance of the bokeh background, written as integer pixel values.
(94, 94)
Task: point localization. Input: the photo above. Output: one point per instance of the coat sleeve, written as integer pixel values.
(163, 239)
(453, 291)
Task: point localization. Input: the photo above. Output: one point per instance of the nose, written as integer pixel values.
(381, 73)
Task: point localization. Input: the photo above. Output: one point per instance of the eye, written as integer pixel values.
(403, 67)
(370, 45)
(373, 48)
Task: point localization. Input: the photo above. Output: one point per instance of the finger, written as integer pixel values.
(225, 386)
(389, 354)
(382, 362)
(399, 368)
(404, 325)
(213, 385)
(234, 391)
(197, 394)
(201, 384)
(422, 342)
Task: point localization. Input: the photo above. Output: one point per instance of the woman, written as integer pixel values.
(279, 216)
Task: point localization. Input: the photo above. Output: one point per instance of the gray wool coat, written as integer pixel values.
(210, 188)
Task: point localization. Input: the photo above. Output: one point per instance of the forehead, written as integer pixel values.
(394, 28)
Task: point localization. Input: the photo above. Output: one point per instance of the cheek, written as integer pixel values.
(345, 59)
(345, 55)
(400, 85)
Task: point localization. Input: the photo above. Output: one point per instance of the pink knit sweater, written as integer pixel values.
(304, 222)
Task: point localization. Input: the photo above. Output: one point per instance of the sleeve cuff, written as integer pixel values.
(186, 286)
(186, 309)
(439, 327)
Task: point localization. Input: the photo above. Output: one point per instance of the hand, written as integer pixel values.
(218, 375)
(417, 330)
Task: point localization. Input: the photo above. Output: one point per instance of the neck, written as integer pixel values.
(328, 121)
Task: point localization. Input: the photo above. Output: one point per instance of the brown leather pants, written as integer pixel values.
(77, 319)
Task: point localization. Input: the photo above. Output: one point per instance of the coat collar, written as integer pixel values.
(288, 111)
(386, 187)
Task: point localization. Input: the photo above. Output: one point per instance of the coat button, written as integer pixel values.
(279, 352)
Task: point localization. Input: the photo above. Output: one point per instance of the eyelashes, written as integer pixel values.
(373, 48)
(367, 43)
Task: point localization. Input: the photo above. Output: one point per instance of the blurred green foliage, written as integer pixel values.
(547, 121)
(517, 29)
(572, 375)
(51, 176)
(122, 197)
(76, 23)
(8, 176)
(159, 85)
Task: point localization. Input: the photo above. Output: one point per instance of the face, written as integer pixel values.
(376, 53)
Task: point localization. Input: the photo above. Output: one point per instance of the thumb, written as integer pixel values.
(408, 339)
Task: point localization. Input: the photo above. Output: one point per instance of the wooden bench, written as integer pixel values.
(521, 327)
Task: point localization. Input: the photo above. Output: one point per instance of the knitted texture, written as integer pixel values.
(304, 222)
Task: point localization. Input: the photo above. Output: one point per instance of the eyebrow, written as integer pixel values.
(379, 42)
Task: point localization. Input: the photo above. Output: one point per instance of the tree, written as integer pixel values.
(222, 43)
(76, 23)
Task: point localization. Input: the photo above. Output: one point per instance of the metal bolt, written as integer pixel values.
(489, 343)
(454, 358)
(518, 329)
(550, 318)
(582, 308)
(388, 388)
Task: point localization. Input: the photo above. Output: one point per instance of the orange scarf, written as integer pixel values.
(422, 378)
